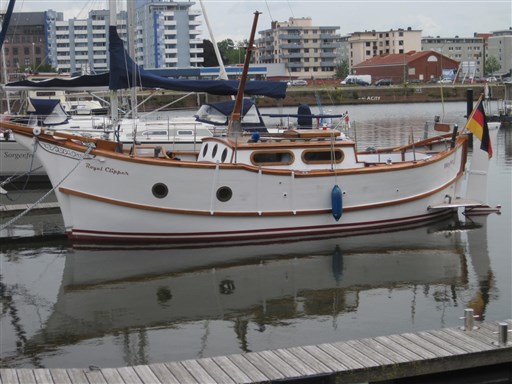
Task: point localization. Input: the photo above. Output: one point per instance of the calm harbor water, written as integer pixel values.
(65, 306)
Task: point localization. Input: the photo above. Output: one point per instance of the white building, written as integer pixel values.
(368, 44)
(306, 51)
(499, 45)
(166, 36)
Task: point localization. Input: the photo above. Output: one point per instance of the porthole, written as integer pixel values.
(224, 194)
(224, 155)
(214, 151)
(160, 190)
(205, 150)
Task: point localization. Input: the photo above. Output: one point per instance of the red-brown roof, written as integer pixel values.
(396, 59)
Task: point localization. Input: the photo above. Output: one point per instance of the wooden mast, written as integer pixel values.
(235, 126)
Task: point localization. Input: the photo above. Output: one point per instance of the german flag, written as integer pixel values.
(477, 124)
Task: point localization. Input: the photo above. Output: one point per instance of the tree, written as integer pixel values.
(342, 69)
(209, 57)
(491, 65)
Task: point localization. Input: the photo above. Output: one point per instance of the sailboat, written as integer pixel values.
(245, 186)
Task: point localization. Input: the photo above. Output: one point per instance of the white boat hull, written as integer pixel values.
(105, 197)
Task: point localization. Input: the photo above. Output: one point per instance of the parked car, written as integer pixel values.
(298, 82)
(445, 81)
(359, 82)
(491, 79)
(383, 82)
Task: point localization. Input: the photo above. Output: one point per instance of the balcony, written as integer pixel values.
(290, 37)
(294, 65)
(291, 55)
(291, 46)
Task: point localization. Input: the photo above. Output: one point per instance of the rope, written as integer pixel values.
(90, 147)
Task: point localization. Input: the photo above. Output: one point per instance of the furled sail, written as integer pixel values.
(123, 69)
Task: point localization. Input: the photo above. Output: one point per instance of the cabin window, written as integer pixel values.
(322, 156)
(224, 155)
(205, 150)
(224, 194)
(272, 158)
(185, 133)
(160, 190)
(214, 150)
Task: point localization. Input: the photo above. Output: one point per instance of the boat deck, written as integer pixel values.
(356, 361)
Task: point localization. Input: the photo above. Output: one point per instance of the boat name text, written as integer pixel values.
(17, 156)
(105, 169)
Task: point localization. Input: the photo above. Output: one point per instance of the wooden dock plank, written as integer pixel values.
(262, 365)
(286, 369)
(333, 363)
(198, 372)
(60, 375)
(248, 368)
(310, 360)
(77, 375)
(297, 363)
(112, 376)
(368, 351)
(398, 348)
(355, 354)
(180, 372)
(9, 376)
(235, 373)
(94, 376)
(26, 376)
(340, 355)
(129, 375)
(163, 374)
(145, 374)
(43, 376)
(453, 349)
(426, 345)
(217, 374)
(407, 344)
(455, 340)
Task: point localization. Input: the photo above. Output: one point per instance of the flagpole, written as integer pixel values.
(472, 112)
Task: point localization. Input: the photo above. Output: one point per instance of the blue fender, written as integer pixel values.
(337, 202)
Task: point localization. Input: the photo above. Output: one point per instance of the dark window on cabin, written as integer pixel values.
(224, 155)
(272, 158)
(205, 150)
(322, 156)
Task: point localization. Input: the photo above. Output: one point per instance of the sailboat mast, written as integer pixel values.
(114, 103)
(222, 70)
(235, 126)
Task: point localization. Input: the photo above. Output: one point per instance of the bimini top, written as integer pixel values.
(219, 114)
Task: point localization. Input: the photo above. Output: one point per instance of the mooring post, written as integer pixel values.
(469, 320)
(502, 334)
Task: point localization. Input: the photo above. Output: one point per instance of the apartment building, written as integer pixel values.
(368, 44)
(81, 45)
(499, 45)
(25, 43)
(307, 51)
(168, 34)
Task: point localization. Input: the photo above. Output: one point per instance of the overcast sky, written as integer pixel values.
(233, 18)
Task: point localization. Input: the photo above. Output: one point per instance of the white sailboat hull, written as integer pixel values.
(106, 197)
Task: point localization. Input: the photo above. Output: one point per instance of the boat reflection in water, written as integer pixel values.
(108, 291)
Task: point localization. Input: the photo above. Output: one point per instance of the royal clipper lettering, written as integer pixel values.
(110, 170)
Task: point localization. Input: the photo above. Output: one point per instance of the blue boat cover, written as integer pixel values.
(123, 70)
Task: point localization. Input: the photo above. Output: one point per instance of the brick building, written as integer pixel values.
(407, 67)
